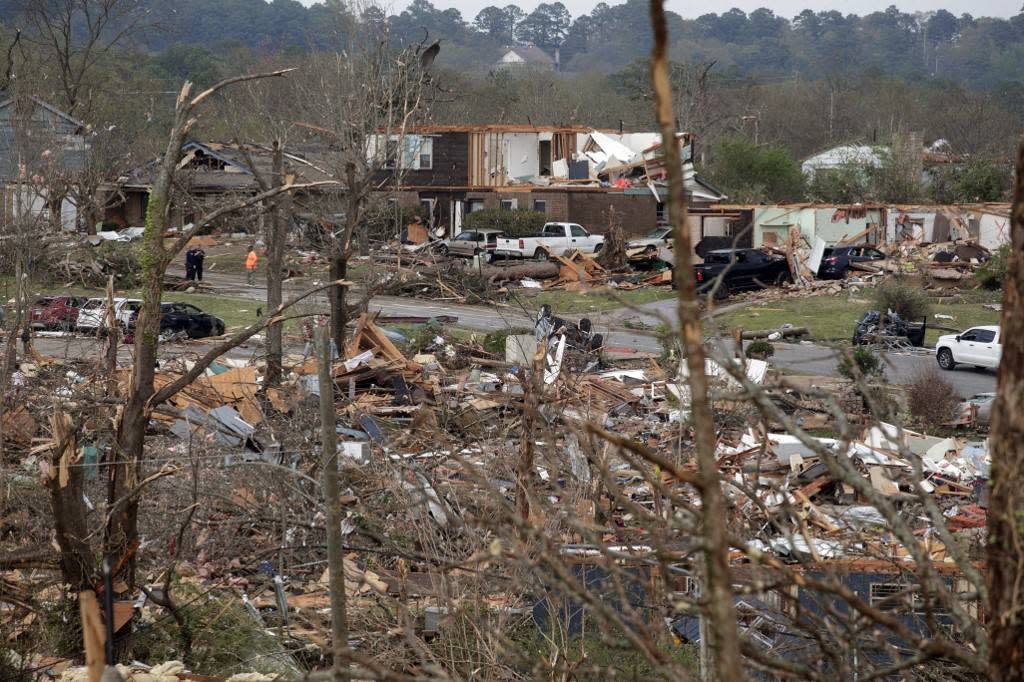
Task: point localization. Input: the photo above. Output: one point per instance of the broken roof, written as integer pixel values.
(220, 166)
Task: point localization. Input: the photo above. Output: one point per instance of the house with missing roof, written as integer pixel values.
(211, 172)
(41, 148)
(570, 173)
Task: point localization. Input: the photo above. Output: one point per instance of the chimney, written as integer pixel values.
(558, 58)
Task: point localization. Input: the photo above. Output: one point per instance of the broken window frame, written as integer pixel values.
(507, 204)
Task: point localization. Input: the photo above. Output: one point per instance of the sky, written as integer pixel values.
(785, 8)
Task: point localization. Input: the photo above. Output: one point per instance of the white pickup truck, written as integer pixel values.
(978, 346)
(555, 239)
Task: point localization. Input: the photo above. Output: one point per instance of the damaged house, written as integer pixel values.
(42, 149)
(215, 171)
(985, 224)
(570, 173)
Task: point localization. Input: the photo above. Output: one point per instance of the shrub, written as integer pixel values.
(847, 184)
(760, 350)
(992, 274)
(983, 181)
(861, 362)
(931, 397)
(907, 301)
(518, 222)
(751, 173)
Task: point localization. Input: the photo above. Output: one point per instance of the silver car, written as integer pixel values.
(470, 242)
(650, 242)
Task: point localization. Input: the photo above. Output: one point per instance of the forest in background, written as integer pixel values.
(786, 87)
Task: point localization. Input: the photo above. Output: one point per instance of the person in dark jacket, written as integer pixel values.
(197, 261)
(190, 265)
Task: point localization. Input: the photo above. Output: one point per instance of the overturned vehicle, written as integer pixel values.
(889, 329)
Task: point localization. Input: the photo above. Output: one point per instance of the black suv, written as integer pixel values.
(185, 317)
(835, 264)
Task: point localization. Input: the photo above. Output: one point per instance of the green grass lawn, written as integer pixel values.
(568, 302)
(832, 318)
(236, 312)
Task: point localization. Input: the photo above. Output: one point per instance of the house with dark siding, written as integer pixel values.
(570, 173)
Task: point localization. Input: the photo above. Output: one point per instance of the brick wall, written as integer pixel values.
(636, 213)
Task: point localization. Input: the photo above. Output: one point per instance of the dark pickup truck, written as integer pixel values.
(739, 269)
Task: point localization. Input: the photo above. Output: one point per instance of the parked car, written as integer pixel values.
(471, 242)
(870, 329)
(555, 239)
(659, 236)
(92, 316)
(835, 264)
(739, 269)
(978, 346)
(185, 318)
(55, 312)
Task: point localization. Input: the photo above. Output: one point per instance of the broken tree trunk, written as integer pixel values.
(275, 263)
(1006, 506)
(765, 333)
(496, 275)
(717, 589)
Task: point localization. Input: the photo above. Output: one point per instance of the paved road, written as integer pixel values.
(801, 358)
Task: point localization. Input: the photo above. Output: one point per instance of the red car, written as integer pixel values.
(55, 312)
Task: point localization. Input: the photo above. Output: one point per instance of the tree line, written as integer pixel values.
(982, 52)
(126, 91)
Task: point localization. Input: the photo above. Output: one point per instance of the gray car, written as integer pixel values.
(470, 242)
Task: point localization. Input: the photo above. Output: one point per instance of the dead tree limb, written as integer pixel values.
(720, 609)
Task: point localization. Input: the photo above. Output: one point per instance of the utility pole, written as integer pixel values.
(335, 561)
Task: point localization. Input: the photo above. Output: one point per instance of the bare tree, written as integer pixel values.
(73, 36)
(363, 103)
(142, 397)
(719, 603)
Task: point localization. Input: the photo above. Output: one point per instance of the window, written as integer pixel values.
(904, 598)
(553, 230)
(540, 206)
(390, 153)
(426, 157)
(466, 237)
(661, 212)
(887, 596)
(428, 206)
(985, 336)
(971, 335)
(577, 231)
(508, 204)
(544, 154)
(875, 255)
(474, 205)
